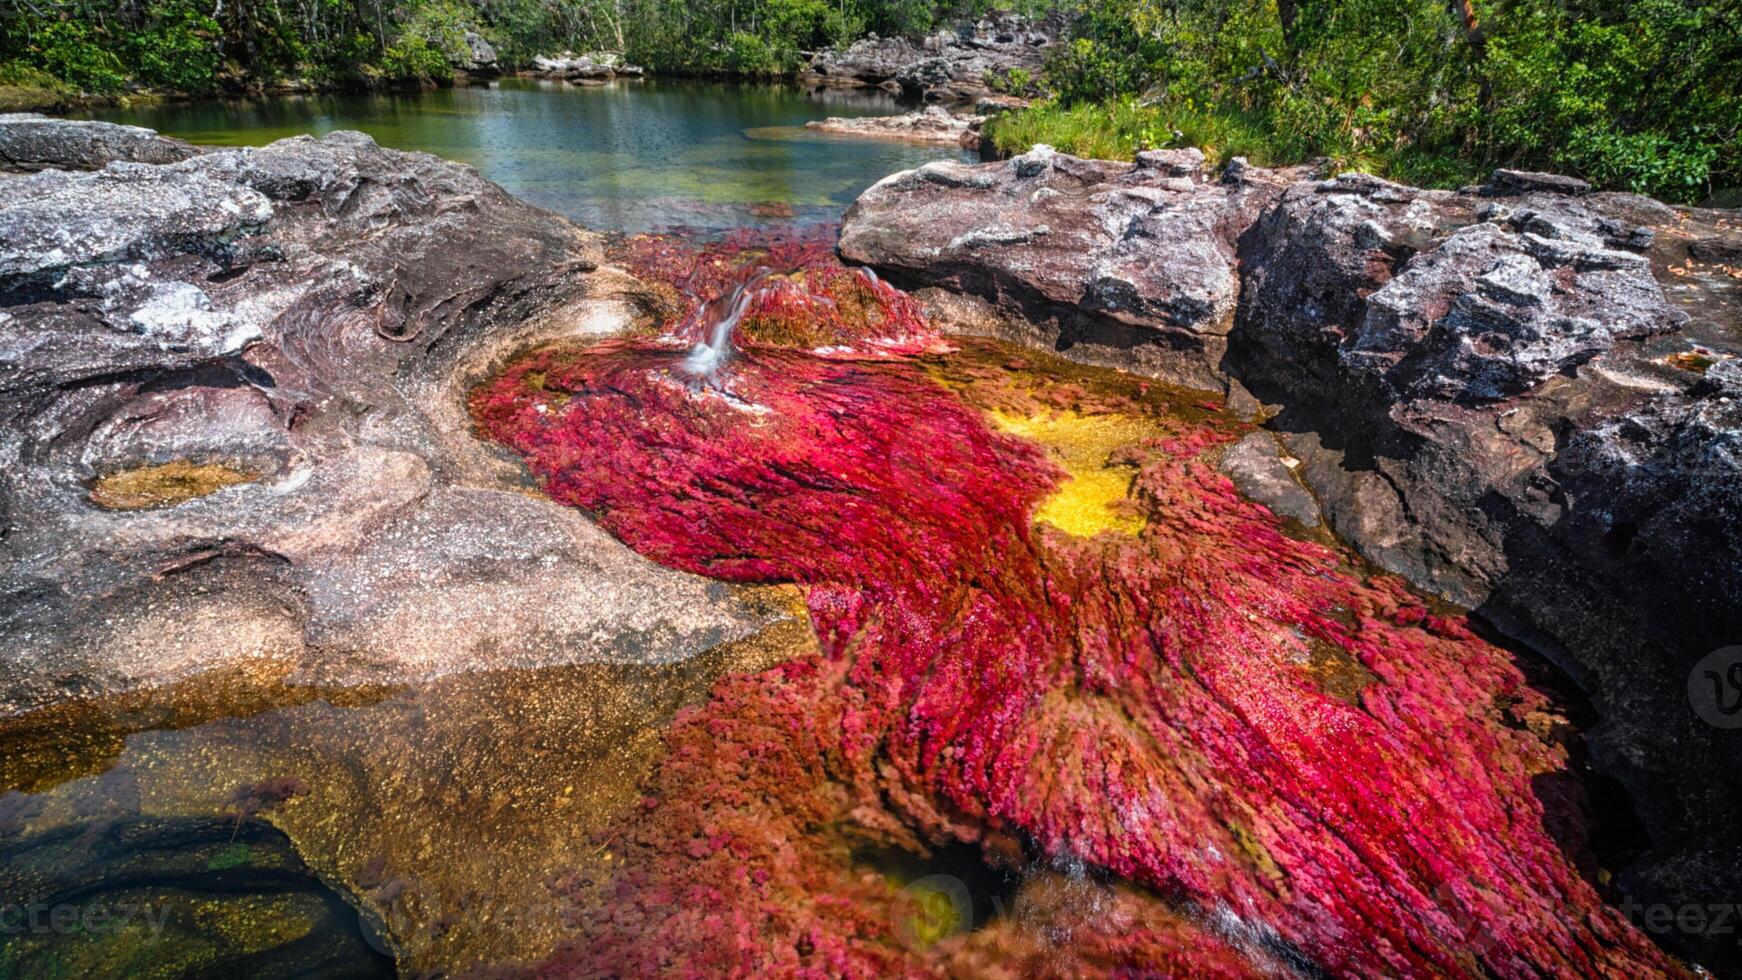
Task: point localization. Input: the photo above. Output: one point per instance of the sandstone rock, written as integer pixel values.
(1517, 309)
(30, 142)
(948, 66)
(1526, 181)
(1723, 249)
(1187, 162)
(481, 58)
(1476, 386)
(1256, 466)
(308, 318)
(597, 66)
(933, 124)
(1416, 299)
(992, 105)
(1131, 265)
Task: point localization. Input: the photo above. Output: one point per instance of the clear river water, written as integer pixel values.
(631, 156)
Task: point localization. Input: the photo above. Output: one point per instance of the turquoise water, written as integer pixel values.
(628, 156)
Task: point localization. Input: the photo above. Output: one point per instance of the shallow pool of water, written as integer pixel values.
(628, 156)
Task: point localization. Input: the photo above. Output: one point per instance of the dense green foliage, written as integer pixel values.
(1644, 95)
(101, 46)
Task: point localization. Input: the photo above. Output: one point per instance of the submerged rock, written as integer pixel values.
(1257, 466)
(1297, 763)
(232, 392)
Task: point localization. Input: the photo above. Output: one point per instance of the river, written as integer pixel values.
(630, 156)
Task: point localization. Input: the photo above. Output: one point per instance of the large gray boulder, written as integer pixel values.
(1128, 265)
(1498, 393)
(481, 58)
(1429, 295)
(233, 432)
(30, 141)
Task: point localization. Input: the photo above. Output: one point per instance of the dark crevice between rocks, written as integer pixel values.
(1586, 810)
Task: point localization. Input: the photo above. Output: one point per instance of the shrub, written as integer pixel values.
(72, 51)
(1642, 96)
(178, 48)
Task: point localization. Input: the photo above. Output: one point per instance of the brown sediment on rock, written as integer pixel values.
(283, 335)
(165, 484)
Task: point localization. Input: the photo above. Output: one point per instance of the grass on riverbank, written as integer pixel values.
(1117, 130)
(28, 90)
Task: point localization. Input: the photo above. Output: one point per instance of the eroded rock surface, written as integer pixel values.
(597, 66)
(1126, 265)
(304, 321)
(31, 141)
(948, 66)
(933, 124)
(1524, 399)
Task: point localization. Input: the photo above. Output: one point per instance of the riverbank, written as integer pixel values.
(971, 61)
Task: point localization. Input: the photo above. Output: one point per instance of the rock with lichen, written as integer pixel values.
(30, 141)
(1128, 265)
(232, 391)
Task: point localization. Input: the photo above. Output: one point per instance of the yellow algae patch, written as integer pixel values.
(1093, 498)
(165, 484)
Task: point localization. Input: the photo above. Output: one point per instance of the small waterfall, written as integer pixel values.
(718, 320)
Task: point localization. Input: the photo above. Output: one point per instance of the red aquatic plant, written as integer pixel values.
(1295, 758)
(802, 296)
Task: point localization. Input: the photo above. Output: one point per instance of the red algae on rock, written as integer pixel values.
(1151, 706)
(807, 299)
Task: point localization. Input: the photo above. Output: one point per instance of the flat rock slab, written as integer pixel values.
(30, 141)
(305, 320)
(933, 124)
(1128, 265)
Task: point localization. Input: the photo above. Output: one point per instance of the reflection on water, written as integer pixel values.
(629, 156)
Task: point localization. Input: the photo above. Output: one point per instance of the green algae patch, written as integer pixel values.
(165, 484)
